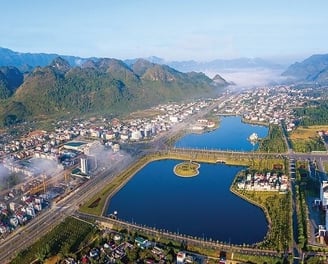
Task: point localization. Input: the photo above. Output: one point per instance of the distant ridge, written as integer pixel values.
(26, 61)
(214, 65)
(312, 69)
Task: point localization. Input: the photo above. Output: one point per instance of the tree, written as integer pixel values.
(43, 253)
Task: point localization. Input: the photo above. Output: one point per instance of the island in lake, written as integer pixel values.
(187, 169)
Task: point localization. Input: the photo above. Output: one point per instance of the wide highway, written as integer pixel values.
(49, 218)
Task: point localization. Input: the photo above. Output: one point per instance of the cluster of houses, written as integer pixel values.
(115, 250)
(16, 154)
(263, 182)
(267, 105)
(47, 144)
(54, 145)
(17, 214)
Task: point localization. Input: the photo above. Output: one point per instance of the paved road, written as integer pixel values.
(40, 225)
(44, 222)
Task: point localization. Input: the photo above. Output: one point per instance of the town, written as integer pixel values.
(79, 149)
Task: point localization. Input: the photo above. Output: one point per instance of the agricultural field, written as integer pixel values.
(307, 139)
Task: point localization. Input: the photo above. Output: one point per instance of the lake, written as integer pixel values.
(201, 206)
(232, 134)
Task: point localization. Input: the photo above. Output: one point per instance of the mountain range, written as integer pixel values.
(96, 86)
(34, 85)
(312, 69)
(217, 65)
(27, 61)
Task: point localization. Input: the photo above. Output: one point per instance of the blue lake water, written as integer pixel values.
(232, 134)
(201, 206)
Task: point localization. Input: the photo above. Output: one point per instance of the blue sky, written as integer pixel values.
(171, 29)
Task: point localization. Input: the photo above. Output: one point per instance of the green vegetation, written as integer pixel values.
(305, 187)
(301, 209)
(65, 239)
(257, 259)
(267, 164)
(305, 146)
(306, 139)
(316, 260)
(187, 169)
(278, 210)
(107, 85)
(315, 114)
(325, 165)
(278, 207)
(274, 142)
(12, 112)
(10, 79)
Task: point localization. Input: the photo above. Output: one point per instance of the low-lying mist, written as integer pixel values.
(250, 78)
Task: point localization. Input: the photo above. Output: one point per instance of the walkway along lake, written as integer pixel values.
(201, 206)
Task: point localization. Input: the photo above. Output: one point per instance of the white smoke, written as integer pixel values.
(46, 166)
(106, 157)
(4, 174)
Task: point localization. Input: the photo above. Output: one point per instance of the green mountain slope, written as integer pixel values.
(10, 79)
(102, 86)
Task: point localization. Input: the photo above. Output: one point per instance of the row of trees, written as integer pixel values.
(64, 239)
(301, 209)
(274, 142)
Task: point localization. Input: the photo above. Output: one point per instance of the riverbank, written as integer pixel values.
(277, 208)
(100, 201)
(234, 190)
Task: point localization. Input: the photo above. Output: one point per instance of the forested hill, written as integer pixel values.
(101, 86)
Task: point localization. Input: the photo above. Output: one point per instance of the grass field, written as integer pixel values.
(307, 132)
(306, 139)
(187, 169)
(148, 113)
